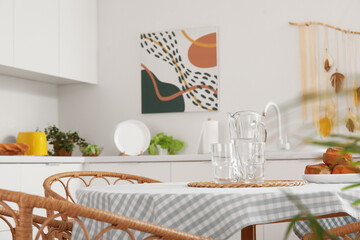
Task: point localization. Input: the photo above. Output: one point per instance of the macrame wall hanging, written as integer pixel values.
(330, 77)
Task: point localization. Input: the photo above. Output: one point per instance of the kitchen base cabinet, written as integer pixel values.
(191, 171)
(286, 170)
(5, 234)
(33, 175)
(10, 179)
(158, 171)
(277, 231)
(29, 178)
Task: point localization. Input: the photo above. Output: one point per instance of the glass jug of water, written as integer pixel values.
(247, 125)
(247, 129)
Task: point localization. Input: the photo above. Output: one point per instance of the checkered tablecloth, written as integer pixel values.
(213, 212)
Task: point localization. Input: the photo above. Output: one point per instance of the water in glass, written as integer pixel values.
(224, 166)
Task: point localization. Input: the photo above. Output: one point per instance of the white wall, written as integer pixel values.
(258, 61)
(25, 106)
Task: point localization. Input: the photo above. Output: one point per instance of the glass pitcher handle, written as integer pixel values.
(263, 131)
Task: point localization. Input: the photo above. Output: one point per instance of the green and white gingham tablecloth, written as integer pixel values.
(214, 212)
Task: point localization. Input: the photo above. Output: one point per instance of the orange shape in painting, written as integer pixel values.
(203, 56)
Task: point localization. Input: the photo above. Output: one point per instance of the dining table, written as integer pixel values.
(217, 213)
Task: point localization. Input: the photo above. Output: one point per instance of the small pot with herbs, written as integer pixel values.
(64, 143)
(90, 150)
(163, 142)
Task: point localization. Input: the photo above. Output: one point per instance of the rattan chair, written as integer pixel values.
(24, 219)
(342, 231)
(57, 229)
(87, 178)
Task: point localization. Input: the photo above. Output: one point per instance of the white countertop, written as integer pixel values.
(270, 155)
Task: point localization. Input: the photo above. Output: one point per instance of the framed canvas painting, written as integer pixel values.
(179, 71)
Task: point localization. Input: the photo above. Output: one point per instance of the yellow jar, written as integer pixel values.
(36, 140)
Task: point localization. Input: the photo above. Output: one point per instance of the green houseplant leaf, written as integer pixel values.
(90, 150)
(317, 229)
(65, 141)
(152, 149)
(175, 146)
(165, 142)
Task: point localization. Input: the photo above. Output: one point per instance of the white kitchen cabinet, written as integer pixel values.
(285, 170)
(32, 176)
(78, 40)
(191, 171)
(10, 177)
(6, 30)
(36, 36)
(29, 178)
(10, 180)
(277, 231)
(52, 41)
(158, 171)
(5, 234)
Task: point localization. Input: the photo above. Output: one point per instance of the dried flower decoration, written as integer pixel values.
(325, 126)
(351, 120)
(357, 93)
(350, 125)
(328, 61)
(330, 109)
(337, 80)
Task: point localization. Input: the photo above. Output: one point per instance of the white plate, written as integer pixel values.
(332, 178)
(132, 137)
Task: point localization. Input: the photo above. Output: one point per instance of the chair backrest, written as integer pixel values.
(348, 232)
(24, 219)
(87, 178)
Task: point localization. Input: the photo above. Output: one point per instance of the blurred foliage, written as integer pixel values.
(348, 144)
(165, 142)
(318, 231)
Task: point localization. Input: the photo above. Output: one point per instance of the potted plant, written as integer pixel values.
(90, 150)
(163, 142)
(64, 142)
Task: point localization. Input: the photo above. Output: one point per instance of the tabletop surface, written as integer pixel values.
(213, 212)
(182, 188)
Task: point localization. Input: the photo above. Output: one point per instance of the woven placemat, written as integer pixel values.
(266, 183)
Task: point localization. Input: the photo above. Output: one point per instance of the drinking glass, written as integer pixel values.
(223, 160)
(250, 160)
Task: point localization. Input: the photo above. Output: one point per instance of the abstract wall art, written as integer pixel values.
(179, 71)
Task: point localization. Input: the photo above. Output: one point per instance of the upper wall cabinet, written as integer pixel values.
(6, 30)
(36, 36)
(49, 40)
(78, 39)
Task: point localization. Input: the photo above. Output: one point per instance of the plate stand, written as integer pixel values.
(124, 154)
